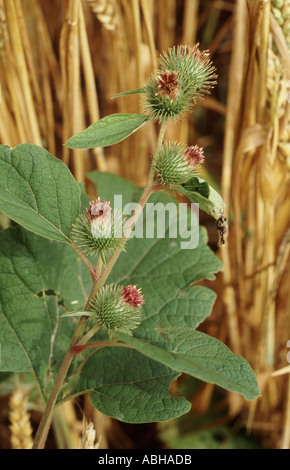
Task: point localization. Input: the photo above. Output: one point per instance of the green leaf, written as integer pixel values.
(199, 191)
(201, 356)
(166, 274)
(76, 314)
(130, 387)
(39, 278)
(197, 185)
(130, 92)
(108, 131)
(85, 200)
(109, 186)
(38, 191)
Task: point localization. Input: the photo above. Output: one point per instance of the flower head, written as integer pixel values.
(194, 156)
(184, 74)
(99, 210)
(118, 308)
(175, 163)
(99, 215)
(99, 230)
(132, 296)
(168, 84)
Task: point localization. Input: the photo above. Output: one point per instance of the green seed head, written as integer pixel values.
(175, 163)
(118, 308)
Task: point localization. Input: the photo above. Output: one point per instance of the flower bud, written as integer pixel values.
(117, 308)
(99, 230)
(175, 163)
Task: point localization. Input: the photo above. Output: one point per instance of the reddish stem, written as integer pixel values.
(77, 349)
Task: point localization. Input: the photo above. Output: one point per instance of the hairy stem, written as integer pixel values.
(45, 422)
(78, 348)
(85, 260)
(89, 334)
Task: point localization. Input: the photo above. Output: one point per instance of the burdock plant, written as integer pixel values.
(86, 308)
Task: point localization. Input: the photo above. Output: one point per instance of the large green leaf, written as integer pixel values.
(108, 131)
(201, 356)
(38, 191)
(130, 387)
(166, 274)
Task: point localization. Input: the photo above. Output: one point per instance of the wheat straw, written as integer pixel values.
(91, 92)
(190, 19)
(256, 185)
(22, 70)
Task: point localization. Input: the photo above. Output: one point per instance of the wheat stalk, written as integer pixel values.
(3, 25)
(256, 184)
(278, 78)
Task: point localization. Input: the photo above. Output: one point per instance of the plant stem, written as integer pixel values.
(99, 267)
(99, 279)
(85, 260)
(89, 334)
(45, 423)
(78, 348)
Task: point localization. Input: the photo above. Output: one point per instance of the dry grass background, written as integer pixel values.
(61, 62)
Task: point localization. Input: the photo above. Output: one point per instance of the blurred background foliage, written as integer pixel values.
(60, 64)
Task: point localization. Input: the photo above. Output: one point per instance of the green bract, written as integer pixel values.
(160, 107)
